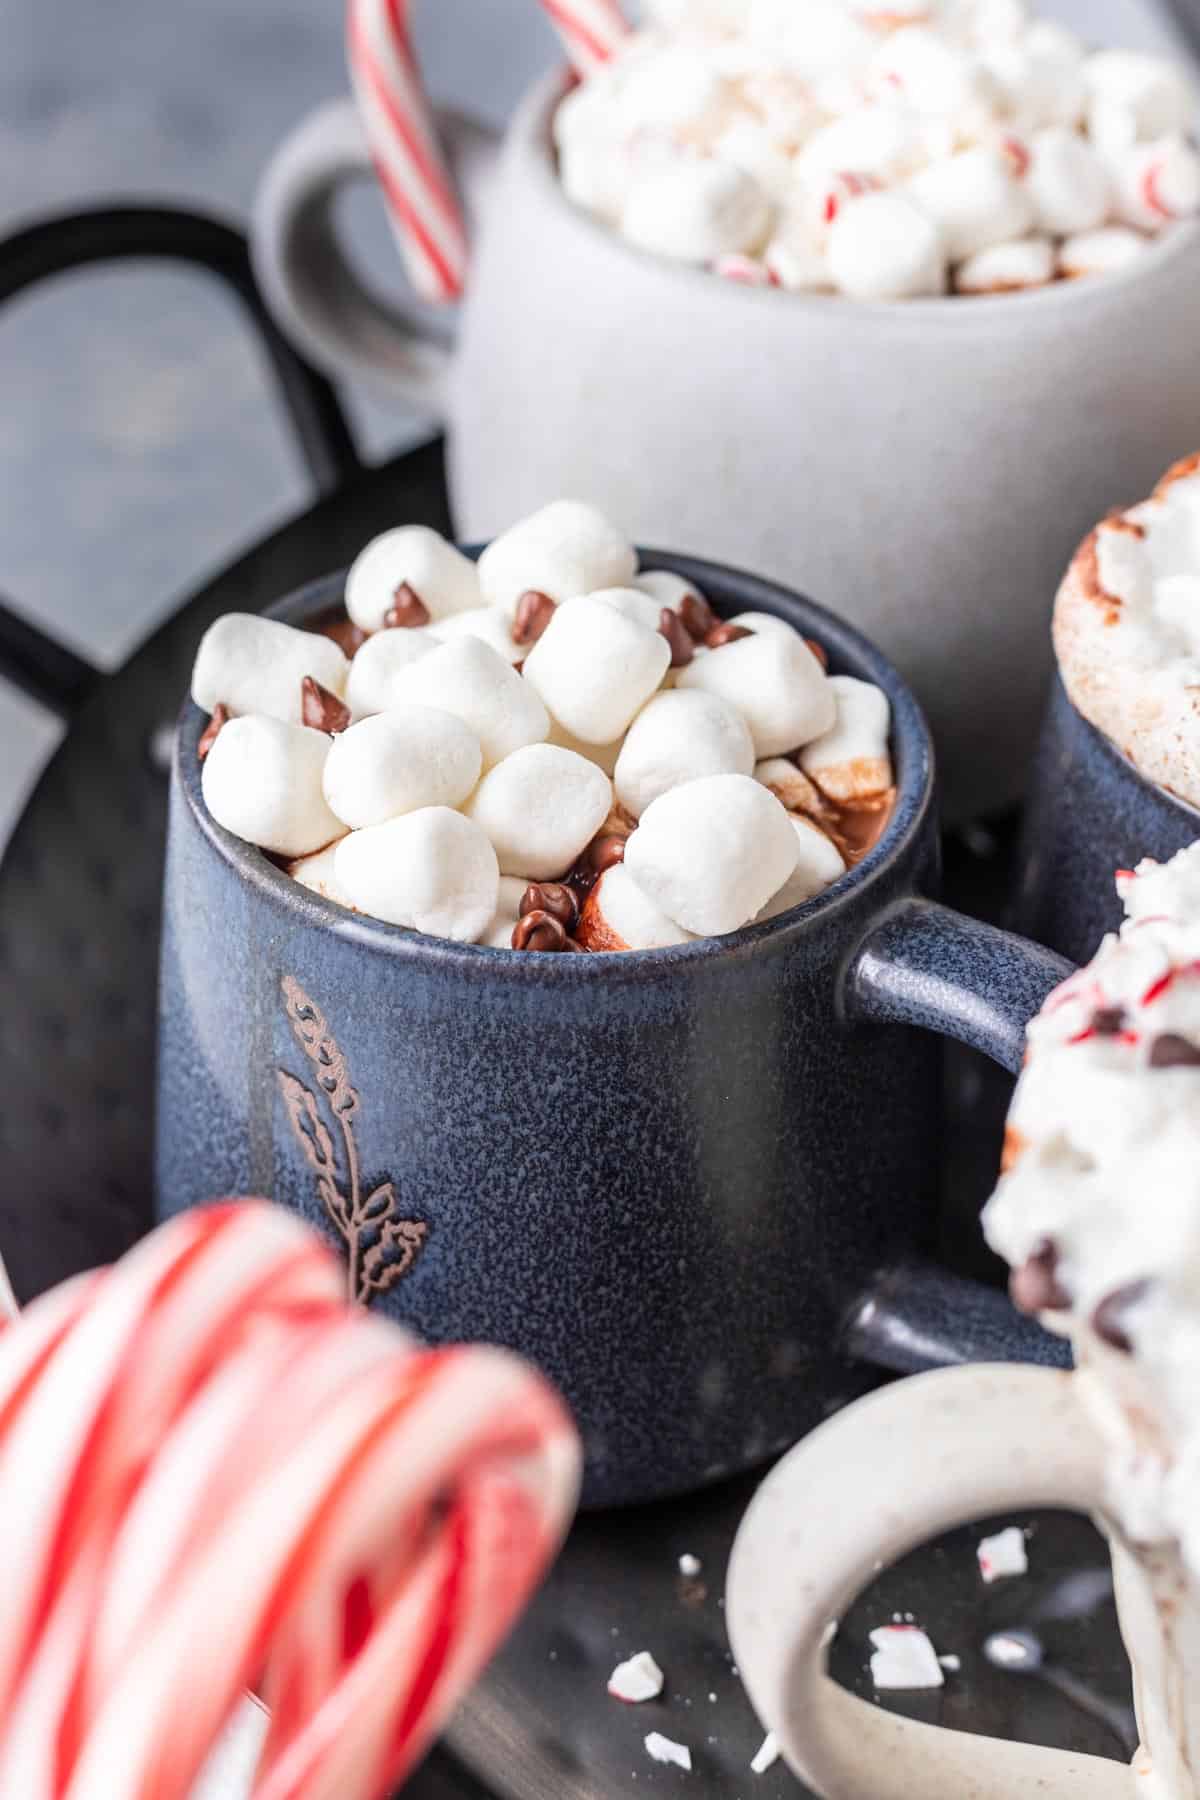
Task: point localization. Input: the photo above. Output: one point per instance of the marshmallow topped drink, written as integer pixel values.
(1098, 1213)
(1127, 631)
(880, 152)
(547, 750)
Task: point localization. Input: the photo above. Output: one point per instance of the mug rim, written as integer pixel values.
(732, 590)
(532, 128)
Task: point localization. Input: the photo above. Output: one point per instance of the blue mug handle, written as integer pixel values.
(924, 964)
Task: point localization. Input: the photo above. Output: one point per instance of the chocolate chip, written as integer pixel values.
(1169, 1051)
(819, 651)
(1035, 1286)
(603, 852)
(1108, 1320)
(539, 931)
(553, 897)
(698, 617)
(321, 709)
(679, 641)
(534, 612)
(408, 610)
(208, 737)
(1108, 1021)
(720, 635)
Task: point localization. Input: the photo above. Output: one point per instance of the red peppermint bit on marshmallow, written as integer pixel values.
(1018, 154)
(1152, 193)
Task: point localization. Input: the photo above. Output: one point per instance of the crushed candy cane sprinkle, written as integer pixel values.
(1002, 1554)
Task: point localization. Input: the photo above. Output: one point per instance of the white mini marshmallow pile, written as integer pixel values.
(880, 152)
(547, 750)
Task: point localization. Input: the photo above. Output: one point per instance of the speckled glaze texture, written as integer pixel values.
(667, 1177)
(1090, 813)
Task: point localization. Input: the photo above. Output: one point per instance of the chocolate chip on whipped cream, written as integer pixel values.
(881, 153)
(633, 784)
(1127, 631)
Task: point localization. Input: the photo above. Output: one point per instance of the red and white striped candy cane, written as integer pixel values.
(215, 1475)
(424, 208)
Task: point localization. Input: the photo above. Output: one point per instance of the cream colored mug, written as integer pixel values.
(913, 1460)
(925, 468)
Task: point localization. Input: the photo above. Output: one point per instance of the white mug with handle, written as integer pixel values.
(924, 467)
(895, 1469)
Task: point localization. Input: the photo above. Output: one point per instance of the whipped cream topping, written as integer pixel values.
(1148, 558)
(872, 149)
(1098, 1211)
(549, 750)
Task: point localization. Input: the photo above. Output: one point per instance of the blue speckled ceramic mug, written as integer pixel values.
(692, 1184)
(1089, 813)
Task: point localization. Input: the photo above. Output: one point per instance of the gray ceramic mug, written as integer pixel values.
(691, 1184)
(931, 463)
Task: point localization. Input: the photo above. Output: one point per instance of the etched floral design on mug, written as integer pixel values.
(381, 1247)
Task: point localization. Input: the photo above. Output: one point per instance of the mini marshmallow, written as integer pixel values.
(638, 1679)
(443, 579)
(398, 762)
(498, 932)
(933, 77)
(677, 737)
(1067, 182)
(666, 588)
(1007, 268)
(430, 871)
(747, 271)
(711, 853)
(877, 141)
(883, 247)
(662, 1749)
(375, 664)
(540, 808)
(567, 548)
(904, 1658)
(633, 603)
(818, 866)
(1134, 97)
(1102, 252)
(262, 781)
(1003, 1554)
(316, 872)
(1157, 183)
(851, 761)
(486, 622)
(775, 682)
(790, 785)
(594, 668)
(1039, 81)
(973, 200)
(697, 209)
(467, 678)
(253, 665)
(751, 146)
(796, 263)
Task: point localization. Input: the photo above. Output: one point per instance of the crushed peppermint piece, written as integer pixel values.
(1003, 1554)
(640, 1678)
(767, 1755)
(665, 1750)
(951, 1663)
(904, 1658)
(690, 1565)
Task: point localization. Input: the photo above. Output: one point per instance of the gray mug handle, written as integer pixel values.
(923, 964)
(315, 293)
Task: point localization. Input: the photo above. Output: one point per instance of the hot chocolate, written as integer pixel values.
(547, 750)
